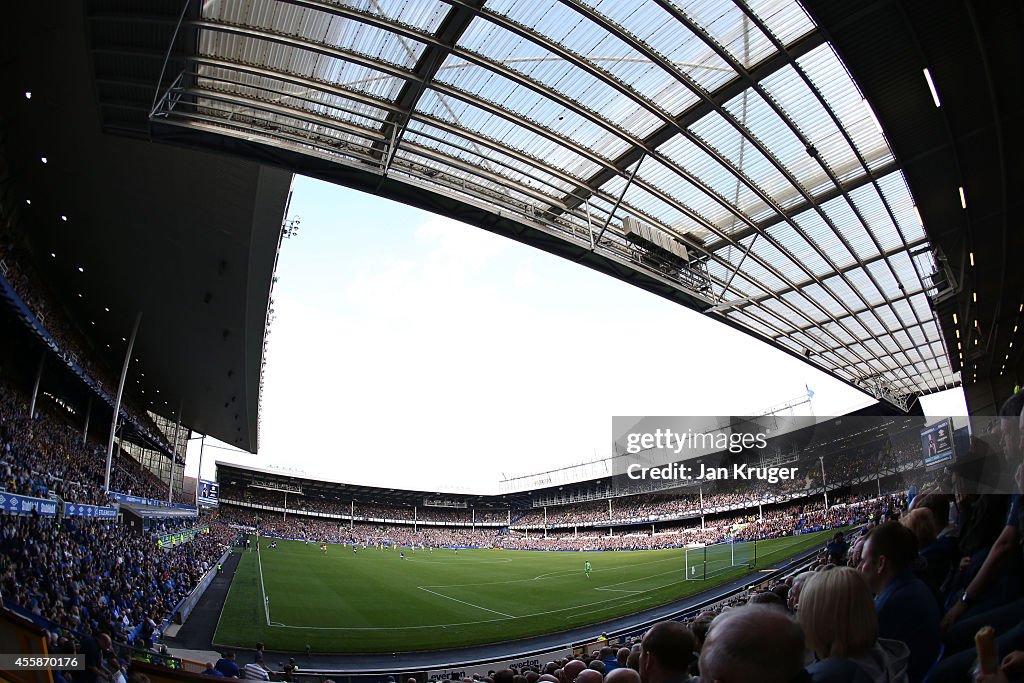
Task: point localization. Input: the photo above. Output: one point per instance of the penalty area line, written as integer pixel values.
(486, 609)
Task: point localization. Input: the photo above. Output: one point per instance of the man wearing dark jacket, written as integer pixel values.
(906, 608)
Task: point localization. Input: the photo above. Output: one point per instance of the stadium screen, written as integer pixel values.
(209, 493)
(937, 444)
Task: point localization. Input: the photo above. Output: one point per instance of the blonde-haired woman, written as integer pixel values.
(838, 615)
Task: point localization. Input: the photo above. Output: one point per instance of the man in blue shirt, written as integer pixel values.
(211, 670)
(837, 548)
(226, 665)
(906, 608)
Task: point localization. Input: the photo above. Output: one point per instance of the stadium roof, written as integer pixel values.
(955, 131)
(732, 129)
(282, 479)
(716, 153)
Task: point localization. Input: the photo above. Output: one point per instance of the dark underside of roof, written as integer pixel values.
(187, 239)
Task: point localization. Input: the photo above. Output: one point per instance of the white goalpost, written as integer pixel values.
(706, 561)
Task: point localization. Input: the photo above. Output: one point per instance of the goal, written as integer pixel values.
(707, 561)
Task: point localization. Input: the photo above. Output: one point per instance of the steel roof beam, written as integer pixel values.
(839, 271)
(448, 34)
(702, 108)
(834, 192)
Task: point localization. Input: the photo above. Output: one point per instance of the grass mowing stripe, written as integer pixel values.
(371, 601)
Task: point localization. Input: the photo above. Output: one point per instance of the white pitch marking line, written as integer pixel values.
(263, 590)
(486, 609)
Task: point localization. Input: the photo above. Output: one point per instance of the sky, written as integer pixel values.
(412, 351)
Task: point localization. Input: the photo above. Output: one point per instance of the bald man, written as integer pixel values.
(622, 675)
(571, 670)
(752, 644)
(666, 653)
(589, 676)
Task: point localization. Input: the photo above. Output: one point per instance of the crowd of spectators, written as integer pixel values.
(931, 590)
(41, 456)
(18, 270)
(750, 525)
(362, 510)
(88, 576)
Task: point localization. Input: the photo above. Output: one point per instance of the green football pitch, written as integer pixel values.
(374, 601)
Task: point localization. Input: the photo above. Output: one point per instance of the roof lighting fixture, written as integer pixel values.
(28, 94)
(81, 269)
(972, 259)
(963, 199)
(106, 309)
(931, 87)
(955, 321)
(53, 255)
(43, 159)
(871, 113)
(124, 339)
(974, 295)
(917, 214)
(29, 202)
(958, 333)
(79, 295)
(959, 345)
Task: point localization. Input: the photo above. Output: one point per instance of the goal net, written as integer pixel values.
(705, 562)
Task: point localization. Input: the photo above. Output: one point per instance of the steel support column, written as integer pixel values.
(117, 400)
(35, 387)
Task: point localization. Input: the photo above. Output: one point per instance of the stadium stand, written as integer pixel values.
(932, 579)
(46, 563)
